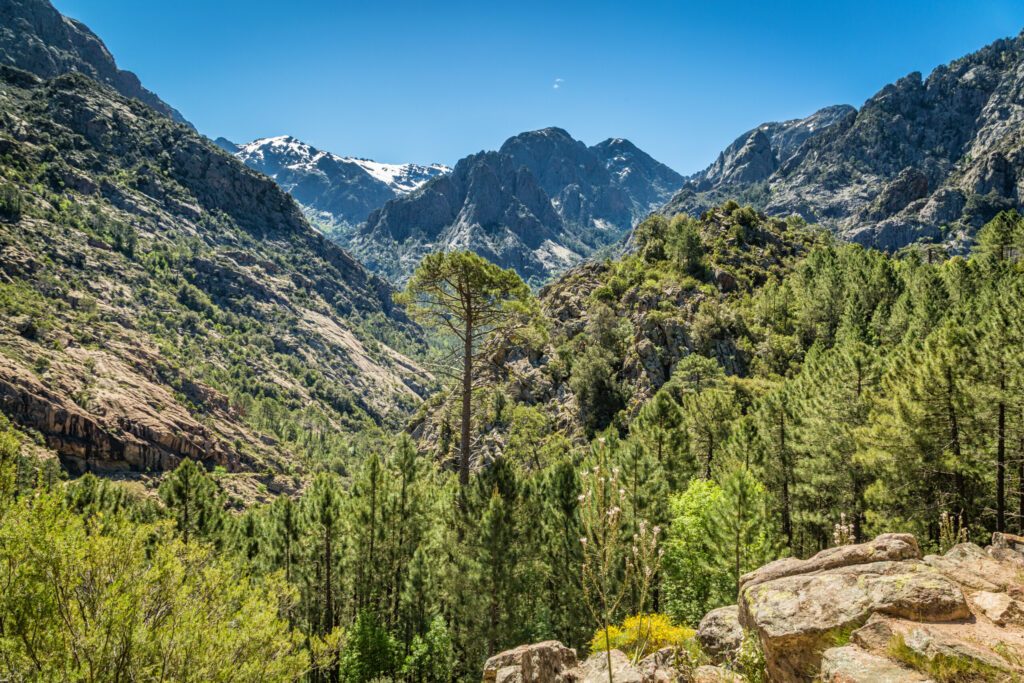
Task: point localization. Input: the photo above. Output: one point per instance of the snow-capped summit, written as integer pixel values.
(336, 192)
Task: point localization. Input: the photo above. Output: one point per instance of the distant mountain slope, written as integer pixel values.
(929, 159)
(159, 300)
(336, 192)
(744, 168)
(37, 38)
(540, 204)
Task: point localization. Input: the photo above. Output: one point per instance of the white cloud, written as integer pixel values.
(558, 83)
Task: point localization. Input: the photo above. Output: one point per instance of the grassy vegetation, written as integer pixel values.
(943, 667)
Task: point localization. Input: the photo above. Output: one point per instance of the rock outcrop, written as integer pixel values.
(720, 633)
(537, 663)
(871, 612)
(552, 662)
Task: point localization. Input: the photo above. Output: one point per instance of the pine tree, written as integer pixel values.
(830, 476)
(365, 507)
(1002, 237)
(999, 379)
(661, 426)
(476, 302)
(563, 529)
(284, 532)
(775, 419)
(194, 500)
(709, 407)
(321, 508)
(740, 532)
(921, 437)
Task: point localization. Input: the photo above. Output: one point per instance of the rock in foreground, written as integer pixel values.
(866, 613)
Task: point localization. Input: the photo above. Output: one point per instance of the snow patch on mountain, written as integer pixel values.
(286, 152)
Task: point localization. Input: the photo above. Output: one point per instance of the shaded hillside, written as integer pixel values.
(37, 38)
(160, 301)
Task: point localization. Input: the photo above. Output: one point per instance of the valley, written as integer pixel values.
(554, 413)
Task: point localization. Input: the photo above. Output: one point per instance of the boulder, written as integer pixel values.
(720, 633)
(797, 617)
(932, 645)
(972, 567)
(725, 280)
(595, 669)
(545, 662)
(890, 547)
(660, 667)
(999, 607)
(715, 674)
(850, 664)
(973, 644)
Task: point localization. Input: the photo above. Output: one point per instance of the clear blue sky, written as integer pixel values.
(435, 80)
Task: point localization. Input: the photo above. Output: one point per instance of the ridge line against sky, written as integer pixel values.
(412, 82)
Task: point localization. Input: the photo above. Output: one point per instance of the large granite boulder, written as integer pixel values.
(545, 662)
(885, 547)
(798, 617)
(595, 669)
(720, 633)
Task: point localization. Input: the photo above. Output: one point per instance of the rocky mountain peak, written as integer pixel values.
(539, 204)
(925, 158)
(337, 193)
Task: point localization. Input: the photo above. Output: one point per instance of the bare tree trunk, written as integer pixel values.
(1001, 470)
(467, 403)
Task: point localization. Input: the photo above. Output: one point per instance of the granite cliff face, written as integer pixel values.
(924, 159)
(336, 193)
(540, 204)
(37, 38)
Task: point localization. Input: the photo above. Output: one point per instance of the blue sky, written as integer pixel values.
(434, 81)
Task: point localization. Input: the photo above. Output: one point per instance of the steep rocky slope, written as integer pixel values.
(744, 167)
(37, 38)
(929, 159)
(336, 193)
(871, 613)
(540, 204)
(159, 300)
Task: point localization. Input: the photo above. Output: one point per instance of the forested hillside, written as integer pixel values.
(806, 393)
(160, 301)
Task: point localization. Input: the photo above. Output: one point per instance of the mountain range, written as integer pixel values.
(161, 300)
(540, 204)
(927, 159)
